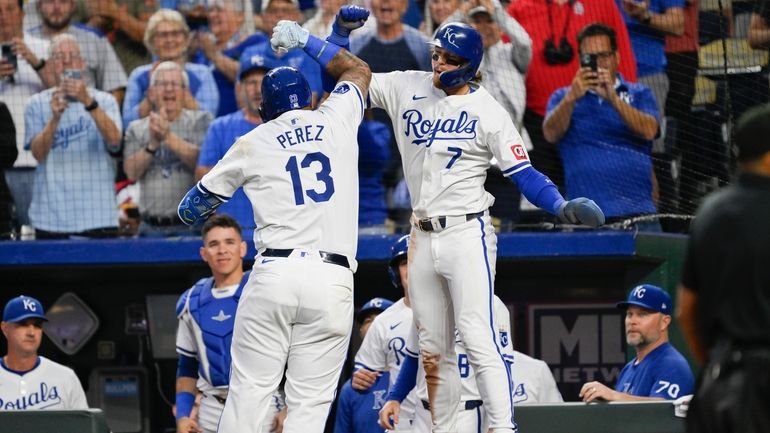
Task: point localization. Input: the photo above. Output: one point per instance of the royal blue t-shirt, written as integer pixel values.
(649, 44)
(295, 58)
(662, 373)
(227, 102)
(221, 135)
(359, 412)
(603, 159)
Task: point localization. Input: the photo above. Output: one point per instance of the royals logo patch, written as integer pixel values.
(342, 89)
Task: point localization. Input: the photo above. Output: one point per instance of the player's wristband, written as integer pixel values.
(184, 404)
(339, 36)
(322, 51)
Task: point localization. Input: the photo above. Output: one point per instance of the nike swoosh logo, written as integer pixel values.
(267, 261)
(417, 98)
(392, 327)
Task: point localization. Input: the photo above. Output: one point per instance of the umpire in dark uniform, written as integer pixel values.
(724, 295)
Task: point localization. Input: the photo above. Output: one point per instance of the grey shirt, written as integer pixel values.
(167, 179)
(103, 70)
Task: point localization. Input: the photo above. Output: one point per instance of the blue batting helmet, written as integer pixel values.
(398, 252)
(283, 89)
(464, 41)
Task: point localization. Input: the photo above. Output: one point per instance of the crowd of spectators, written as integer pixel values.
(174, 85)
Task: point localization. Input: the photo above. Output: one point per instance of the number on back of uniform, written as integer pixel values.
(322, 174)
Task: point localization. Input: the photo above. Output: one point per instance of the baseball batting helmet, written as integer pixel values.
(398, 251)
(283, 89)
(464, 41)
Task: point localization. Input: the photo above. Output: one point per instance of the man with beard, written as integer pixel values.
(659, 371)
(225, 130)
(103, 70)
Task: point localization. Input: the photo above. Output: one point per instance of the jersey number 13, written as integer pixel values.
(322, 175)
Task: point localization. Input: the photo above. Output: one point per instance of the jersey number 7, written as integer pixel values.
(323, 175)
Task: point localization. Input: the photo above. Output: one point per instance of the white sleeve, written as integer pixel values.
(383, 90)
(229, 173)
(373, 353)
(185, 337)
(347, 102)
(77, 397)
(549, 392)
(506, 144)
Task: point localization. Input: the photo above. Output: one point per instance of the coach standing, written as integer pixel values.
(29, 381)
(724, 296)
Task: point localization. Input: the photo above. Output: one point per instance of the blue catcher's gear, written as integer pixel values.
(464, 41)
(283, 89)
(397, 252)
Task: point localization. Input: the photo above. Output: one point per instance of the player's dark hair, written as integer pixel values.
(220, 220)
(21, 4)
(597, 29)
(751, 133)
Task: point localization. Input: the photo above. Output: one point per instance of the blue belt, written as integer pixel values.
(333, 258)
(469, 404)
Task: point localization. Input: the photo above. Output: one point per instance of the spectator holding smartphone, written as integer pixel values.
(71, 130)
(604, 127)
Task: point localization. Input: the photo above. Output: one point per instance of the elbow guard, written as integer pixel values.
(198, 204)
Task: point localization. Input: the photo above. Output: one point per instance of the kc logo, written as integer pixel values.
(450, 36)
(29, 305)
(293, 99)
(519, 152)
(376, 302)
(639, 292)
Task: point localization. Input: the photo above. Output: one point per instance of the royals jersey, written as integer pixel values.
(48, 385)
(300, 172)
(533, 381)
(662, 373)
(447, 142)
(205, 331)
(384, 347)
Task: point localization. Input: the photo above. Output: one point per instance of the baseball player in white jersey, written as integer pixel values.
(530, 383)
(448, 128)
(299, 171)
(206, 314)
(384, 346)
(29, 381)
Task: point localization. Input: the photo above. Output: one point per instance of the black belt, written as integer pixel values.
(221, 400)
(469, 404)
(426, 226)
(333, 258)
(162, 221)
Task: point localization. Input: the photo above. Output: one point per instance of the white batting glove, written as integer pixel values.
(288, 35)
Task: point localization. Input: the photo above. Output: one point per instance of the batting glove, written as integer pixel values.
(288, 35)
(581, 211)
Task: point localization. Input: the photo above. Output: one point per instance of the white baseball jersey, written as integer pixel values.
(447, 142)
(533, 381)
(384, 348)
(48, 385)
(300, 172)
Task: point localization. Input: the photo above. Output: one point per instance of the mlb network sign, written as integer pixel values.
(580, 343)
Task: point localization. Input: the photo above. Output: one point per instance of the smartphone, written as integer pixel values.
(73, 74)
(9, 56)
(589, 61)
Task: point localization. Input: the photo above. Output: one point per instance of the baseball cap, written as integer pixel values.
(650, 297)
(377, 305)
(22, 308)
(478, 10)
(254, 62)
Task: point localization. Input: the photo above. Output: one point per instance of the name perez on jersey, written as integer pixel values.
(300, 135)
(461, 128)
(46, 396)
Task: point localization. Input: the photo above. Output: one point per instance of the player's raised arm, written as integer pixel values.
(336, 61)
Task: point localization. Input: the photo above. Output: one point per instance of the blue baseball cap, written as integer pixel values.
(377, 305)
(22, 308)
(253, 62)
(650, 297)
